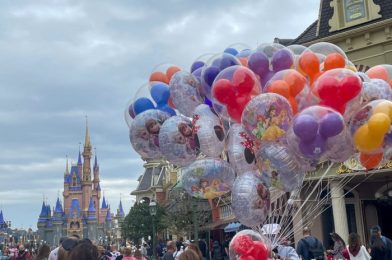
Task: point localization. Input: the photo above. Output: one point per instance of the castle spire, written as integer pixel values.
(79, 157)
(87, 142)
(95, 159)
(66, 166)
(120, 211)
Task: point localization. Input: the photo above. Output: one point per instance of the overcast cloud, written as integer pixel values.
(61, 60)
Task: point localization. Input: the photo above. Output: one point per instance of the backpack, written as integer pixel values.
(316, 251)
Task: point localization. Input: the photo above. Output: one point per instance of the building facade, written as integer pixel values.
(82, 212)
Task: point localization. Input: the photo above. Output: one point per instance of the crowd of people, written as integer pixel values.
(309, 247)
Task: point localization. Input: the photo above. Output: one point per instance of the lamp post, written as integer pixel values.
(153, 212)
(194, 220)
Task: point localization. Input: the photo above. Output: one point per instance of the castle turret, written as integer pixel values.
(120, 211)
(108, 220)
(67, 180)
(86, 176)
(57, 222)
(92, 221)
(3, 224)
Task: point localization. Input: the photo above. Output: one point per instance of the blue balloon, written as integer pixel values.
(142, 104)
(244, 53)
(167, 109)
(160, 93)
(207, 101)
(196, 65)
(231, 51)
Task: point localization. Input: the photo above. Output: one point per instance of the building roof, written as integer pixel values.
(326, 12)
(120, 211)
(2, 222)
(104, 205)
(91, 207)
(108, 217)
(152, 177)
(59, 207)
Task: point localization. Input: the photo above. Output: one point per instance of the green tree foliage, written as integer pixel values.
(138, 222)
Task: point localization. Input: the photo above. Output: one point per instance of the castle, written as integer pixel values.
(81, 213)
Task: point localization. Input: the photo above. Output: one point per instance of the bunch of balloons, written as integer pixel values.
(250, 121)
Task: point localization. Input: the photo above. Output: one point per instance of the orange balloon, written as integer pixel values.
(309, 63)
(390, 83)
(159, 76)
(243, 61)
(171, 71)
(334, 61)
(294, 104)
(280, 87)
(378, 72)
(296, 83)
(371, 161)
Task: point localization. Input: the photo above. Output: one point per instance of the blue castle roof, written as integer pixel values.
(108, 217)
(121, 210)
(104, 205)
(79, 158)
(2, 222)
(59, 208)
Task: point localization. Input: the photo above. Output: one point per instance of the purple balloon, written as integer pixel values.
(282, 60)
(305, 127)
(331, 124)
(197, 73)
(259, 63)
(313, 149)
(131, 112)
(207, 101)
(227, 60)
(196, 65)
(210, 74)
(266, 78)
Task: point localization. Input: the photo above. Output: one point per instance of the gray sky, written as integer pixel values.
(61, 60)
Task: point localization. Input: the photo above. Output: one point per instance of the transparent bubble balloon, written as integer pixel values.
(208, 178)
(267, 117)
(248, 244)
(209, 131)
(383, 71)
(129, 114)
(241, 51)
(177, 141)
(269, 59)
(336, 88)
(297, 50)
(184, 92)
(280, 168)
(144, 133)
(251, 199)
(163, 72)
(293, 86)
(213, 67)
(314, 133)
(326, 48)
(233, 88)
(370, 130)
(240, 151)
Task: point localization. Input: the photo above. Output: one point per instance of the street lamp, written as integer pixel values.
(153, 212)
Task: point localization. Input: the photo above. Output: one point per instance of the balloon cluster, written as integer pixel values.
(251, 121)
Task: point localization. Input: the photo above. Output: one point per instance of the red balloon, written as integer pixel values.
(259, 251)
(350, 87)
(242, 244)
(328, 88)
(243, 81)
(247, 257)
(224, 91)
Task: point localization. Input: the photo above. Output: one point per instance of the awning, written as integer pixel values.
(232, 227)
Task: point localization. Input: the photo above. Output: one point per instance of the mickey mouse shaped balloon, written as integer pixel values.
(268, 56)
(370, 129)
(314, 131)
(240, 150)
(337, 87)
(209, 131)
(248, 245)
(233, 88)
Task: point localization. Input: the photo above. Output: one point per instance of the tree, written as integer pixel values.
(184, 212)
(138, 222)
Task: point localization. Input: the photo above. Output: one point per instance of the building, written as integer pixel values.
(355, 199)
(82, 212)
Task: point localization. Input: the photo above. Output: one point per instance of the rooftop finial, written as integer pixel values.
(87, 142)
(66, 166)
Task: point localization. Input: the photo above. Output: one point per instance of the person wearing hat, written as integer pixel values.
(380, 246)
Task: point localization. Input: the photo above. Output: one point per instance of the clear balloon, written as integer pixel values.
(177, 141)
(144, 133)
(208, 178)
(233, 88)
(383, 71)
(163, 73)
(315, 131)
(240, 151)
(209, 131)
(251, 200)
(129, 114)
(267, 117)
(184, 92)
(248, 245)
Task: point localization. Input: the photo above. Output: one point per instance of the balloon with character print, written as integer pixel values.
(248, 245)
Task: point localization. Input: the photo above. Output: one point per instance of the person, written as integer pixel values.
(160, 249)
(84, 251)
(309, 247)
(179, 252)
(355, 250)
(226, 247)
(115, 251)
(338, 247)
(53, 254)
(193, 246)
(170, 249)
(43, 252)
(380, 246)
(216, 251)
(22, 254)
(138, 255)
(285, 251)
(143, 249)
(203, 248)
(127, 254)
(62, 254)
(180, 243)
(189, 255)
(102, 253)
